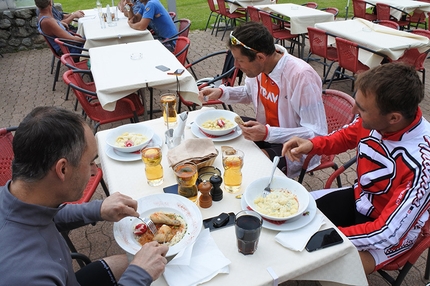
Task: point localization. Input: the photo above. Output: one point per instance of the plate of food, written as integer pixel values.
(178, 221)
(199, 134)
(306, 217)
(129, 138)
(134, 156)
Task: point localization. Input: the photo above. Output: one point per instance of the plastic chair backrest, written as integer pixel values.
(421, 32)
(172, 15)
(183, 28)
(318, 41)
(359, 7)
(253, 14)
(383, 11)
(222, 8)
(347, 52)
(212, 7)
(181, 49)
(313, 5)
(6, 154)
(414, 58)
(388, 23)
(332, 10)
(338, 109)
(267, 21)
(230, 78)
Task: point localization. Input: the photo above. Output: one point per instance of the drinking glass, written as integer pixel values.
(153, 169)
(186, 176)
(248, 226)
(232, 162)
(168, 101)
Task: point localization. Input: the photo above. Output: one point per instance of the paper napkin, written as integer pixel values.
(296, 239)
(197, 263)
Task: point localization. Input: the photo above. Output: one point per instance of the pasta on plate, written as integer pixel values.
(279, 203)
(128, 139)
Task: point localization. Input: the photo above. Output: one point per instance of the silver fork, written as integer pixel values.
(266, 190)
(149, 224)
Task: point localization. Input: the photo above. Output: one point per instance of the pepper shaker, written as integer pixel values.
(216, 191)
(205, 199)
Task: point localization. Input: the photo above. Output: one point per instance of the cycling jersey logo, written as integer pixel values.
(376, 166)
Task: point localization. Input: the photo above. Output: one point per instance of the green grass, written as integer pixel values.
(198, 10)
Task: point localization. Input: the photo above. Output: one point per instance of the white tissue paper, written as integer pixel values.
(197, 263)
(297, 239)
(182, 120)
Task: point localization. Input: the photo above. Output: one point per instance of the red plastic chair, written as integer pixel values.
(388, 23)
(418, 18)
(359, 7)
(253, 14)
(402, 264)
(6, 154)
(172, 15)
(227, 77)
(214, 13)
(416, 59)
(126, 108)
(347, 53)
(332, 10)
(383, 13)
(318, 45)
(280, 34)
(183, 28)
(55, 55)
(338, 109)
(312, 5)
(229, 18)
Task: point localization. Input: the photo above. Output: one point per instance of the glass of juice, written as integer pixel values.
(153, 169)
(186, 176)
(232, 160)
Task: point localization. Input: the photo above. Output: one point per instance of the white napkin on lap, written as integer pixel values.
(297, 239)
(197, 263)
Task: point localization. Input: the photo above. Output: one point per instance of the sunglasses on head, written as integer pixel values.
(235, 42)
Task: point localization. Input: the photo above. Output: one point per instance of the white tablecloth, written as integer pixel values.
(233, 5)
(407, 6)
(340, 263)
(119, 70)
(300, 17)
(385, 40)
(90, 28)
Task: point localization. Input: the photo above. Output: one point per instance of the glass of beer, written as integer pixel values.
(168, 102)
(186, 176)
(248, 226)
(151, 156)
(232, 160)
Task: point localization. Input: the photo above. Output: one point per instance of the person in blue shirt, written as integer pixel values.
(153, 12)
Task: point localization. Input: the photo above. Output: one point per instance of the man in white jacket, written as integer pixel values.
(284, 90)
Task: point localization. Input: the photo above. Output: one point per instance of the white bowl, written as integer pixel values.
(135, 128)
(213, 115)
(255, 190)
(169, 203)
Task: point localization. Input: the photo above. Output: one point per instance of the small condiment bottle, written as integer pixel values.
(205, 199)
(216, 191)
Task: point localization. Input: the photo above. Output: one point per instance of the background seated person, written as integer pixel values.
(284, 90)
(134, 4)
(52, 27)
(383, 213)
(66, 18)
(153, 12)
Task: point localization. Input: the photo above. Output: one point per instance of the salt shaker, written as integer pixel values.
(205, 199)
(216, 191)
